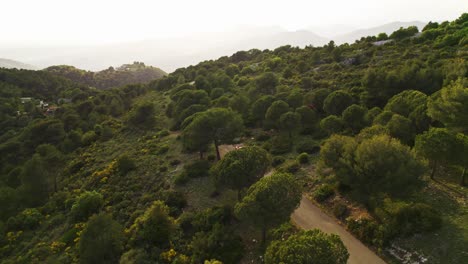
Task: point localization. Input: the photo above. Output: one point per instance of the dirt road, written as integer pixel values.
(309, 216)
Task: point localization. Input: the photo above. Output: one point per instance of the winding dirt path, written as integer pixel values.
(309, 216)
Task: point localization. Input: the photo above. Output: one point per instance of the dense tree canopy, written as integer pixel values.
(270, 201)
(241, 168)
(312, 246)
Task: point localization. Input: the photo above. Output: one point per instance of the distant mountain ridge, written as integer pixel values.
(11, 64)
(172, 53)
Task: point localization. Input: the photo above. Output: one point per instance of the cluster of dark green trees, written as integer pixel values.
(112, 77)
(387, 116)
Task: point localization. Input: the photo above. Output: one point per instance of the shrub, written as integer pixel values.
(277, 160)
(290, 167)
(403, 219)
(175, 162)
(89, 137)
(163, 149)
(303, 158)
(211, 157)
(102, 241)
(280, 145)
(366, 230)
(28, 219)
(309, 147)
(175, 200)
(417, 218)
(86, 204)
(340, 210)
(323, 192)
(218, 243)
(136, 256)
(125, 164)
(181, 179)
(263, 137)
(163, 133)
(154, 227)
(197, 169)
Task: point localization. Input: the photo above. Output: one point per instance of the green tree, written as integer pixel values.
(337, 102)
(449, 106)
(315, 98)
(402, 128)
(266, 83)
(311, 246)
(241, 168)
(309, 118)
(295, 99)
(260, 107)
(331, 124)
(143, 116)
(355, 117)
(87, 204)
(215, 125)
(406, 102)
(218, 243)
(376, 164)
(270, 201)
(275, 111)
(438, 145)
(154, 228)
(291, 122)
(384, 164)
(53, 160)
(34, 181)
(101, 241)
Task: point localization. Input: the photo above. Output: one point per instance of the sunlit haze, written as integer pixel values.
(91, 22)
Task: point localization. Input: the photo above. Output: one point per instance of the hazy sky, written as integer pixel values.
(83, 22)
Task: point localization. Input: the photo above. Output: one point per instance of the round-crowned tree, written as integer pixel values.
(312, 246)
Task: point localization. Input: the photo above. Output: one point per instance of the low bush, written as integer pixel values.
(366, 230)
(86, 204)
(277, 160)
(125, 164)
(340, 210)
(308, 146)
(163, 149)
(303, 158)
(174, 162)
(197, 169)
(280, 145)
(175, 200)
(263, 137)
(290, 167)
(323, 192)
(403, 219)
(28, 219)
(89, 137)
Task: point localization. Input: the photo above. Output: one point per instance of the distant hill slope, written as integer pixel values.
(172, 53)
(374, 31)
(137, 72)
(11, 64)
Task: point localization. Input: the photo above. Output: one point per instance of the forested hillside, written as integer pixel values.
(207, 164)
(137, 72)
